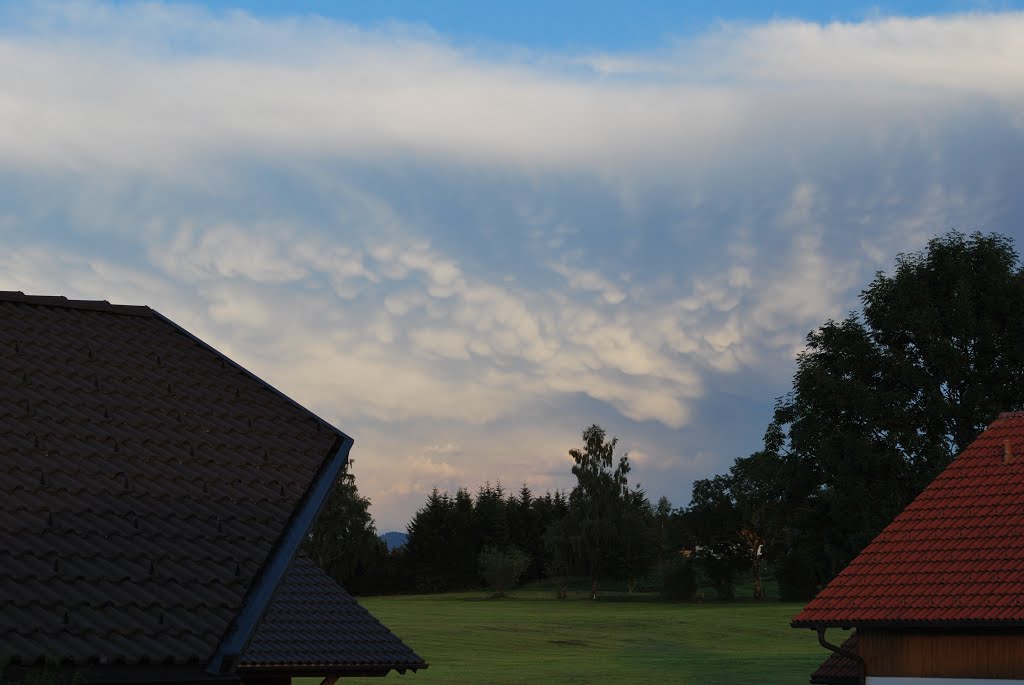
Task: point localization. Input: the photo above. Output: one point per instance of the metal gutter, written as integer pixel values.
(225, 659)
(842, 652)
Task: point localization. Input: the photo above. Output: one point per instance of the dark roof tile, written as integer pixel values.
(313, 623)
(139, 469)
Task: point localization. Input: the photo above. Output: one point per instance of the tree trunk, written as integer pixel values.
(758, 588)
(755, 541)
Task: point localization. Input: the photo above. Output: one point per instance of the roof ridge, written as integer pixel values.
(19, 297)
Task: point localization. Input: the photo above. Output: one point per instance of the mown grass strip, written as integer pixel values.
(530, 637)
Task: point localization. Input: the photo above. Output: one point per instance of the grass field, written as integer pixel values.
(530, 637)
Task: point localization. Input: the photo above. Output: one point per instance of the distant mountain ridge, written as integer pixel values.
(394, 539)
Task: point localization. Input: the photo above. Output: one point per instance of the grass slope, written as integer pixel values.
(531, 637)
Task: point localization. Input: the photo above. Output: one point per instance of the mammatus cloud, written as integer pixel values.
(464, 256)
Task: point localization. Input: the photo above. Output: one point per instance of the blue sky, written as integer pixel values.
(578, 24)
(464, 237)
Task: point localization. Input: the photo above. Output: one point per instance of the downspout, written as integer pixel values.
(225, 659)
(843, 652)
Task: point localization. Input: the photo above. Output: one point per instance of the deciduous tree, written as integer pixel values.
(596, 503)
(884, 399)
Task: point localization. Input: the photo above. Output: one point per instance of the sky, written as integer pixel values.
(462, 236)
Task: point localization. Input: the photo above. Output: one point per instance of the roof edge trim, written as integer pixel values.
(930, 624)
(247, 372)
(331, 668)
(18, 297)
(226, 658)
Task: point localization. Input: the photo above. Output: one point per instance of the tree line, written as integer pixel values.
(881, 401)
(600, 530)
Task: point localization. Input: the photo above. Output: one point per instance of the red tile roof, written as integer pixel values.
(145, 481)
(955, 555)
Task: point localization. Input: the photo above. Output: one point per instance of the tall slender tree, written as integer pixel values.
(597, 502)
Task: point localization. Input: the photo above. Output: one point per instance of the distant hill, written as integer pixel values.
(394, 539)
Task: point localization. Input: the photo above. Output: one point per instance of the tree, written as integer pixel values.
(560, 555)
(343, 541)
(663, 528)
(714, 523)
(427, 550)
(884, 399)
(756, 487)
(638, 537)
(527, 519)
(491, 517)
(502, 568)
(679, 581)
(597, 501)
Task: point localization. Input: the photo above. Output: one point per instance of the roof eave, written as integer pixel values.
(986, 625)
(328, 670)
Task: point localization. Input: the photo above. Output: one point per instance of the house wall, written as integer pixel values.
(937, 655)
(886, 680)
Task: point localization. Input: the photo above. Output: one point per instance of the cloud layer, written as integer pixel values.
(462, 255)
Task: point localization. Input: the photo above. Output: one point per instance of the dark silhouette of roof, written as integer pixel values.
(297, 632)
(953, 558)
(152, 491)
(838, 669)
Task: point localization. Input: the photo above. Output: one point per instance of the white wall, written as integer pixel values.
(887, 680)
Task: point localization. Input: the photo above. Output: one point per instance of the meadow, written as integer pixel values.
(531, 637)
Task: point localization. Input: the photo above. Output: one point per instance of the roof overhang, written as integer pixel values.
(327, 670)
(933, 625)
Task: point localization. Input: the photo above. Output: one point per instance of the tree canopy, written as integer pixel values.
(884, 399)
(343, 542)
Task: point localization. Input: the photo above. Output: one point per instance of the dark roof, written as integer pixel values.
(314, 624)
(838, 669)
(953, 557)
(145, 481)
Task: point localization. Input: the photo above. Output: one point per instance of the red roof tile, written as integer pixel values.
(955, 554)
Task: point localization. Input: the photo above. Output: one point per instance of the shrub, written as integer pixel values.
(502, 568)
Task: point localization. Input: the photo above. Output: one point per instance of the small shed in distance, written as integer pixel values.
(938, 595)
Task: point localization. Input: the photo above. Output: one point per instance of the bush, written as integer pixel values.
(502, 568)
(679, 580)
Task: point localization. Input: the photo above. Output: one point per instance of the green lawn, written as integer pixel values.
(531, 637)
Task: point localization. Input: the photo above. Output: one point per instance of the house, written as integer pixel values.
(153, 499)
(938, 596)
